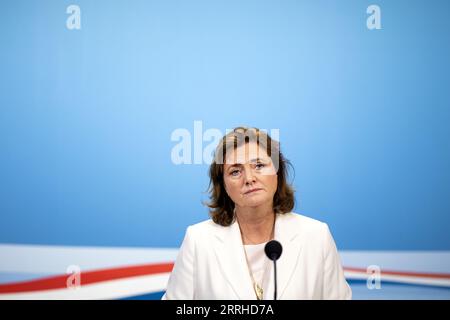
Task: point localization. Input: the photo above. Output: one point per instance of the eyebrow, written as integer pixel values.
(251, 161)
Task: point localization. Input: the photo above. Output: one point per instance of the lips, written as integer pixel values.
(253, 190)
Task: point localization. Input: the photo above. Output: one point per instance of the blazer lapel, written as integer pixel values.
(229, 251)
(285, 233)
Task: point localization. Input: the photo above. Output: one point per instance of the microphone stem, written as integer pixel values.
(275, 270)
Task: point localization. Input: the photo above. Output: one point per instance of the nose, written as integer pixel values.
(249, 176)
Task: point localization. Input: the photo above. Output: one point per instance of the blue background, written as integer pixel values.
(86, 115)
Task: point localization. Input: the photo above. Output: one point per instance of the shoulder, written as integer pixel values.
(203, 228)
(203, 225)
(301, 221)
(303, 225)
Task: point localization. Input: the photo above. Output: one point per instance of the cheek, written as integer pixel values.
(231, 186)
(235, 186)
(273, 182)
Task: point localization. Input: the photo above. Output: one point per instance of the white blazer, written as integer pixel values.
(211, 263)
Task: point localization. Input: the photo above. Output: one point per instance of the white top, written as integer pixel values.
(258, 263)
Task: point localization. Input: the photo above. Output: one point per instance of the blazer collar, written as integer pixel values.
(229, 251)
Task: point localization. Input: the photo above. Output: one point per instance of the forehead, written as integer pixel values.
(245, 153)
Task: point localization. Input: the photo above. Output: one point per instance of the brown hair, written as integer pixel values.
(221, 205)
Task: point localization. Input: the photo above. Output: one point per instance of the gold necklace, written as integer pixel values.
(259, 291)
(256, 287)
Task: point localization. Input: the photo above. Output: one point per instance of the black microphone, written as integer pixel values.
(273, 251)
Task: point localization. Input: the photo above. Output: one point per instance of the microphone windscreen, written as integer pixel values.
(273, 249)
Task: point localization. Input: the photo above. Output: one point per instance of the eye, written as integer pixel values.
(260, 165)
(234, 172)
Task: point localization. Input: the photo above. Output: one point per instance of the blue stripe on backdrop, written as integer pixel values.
(388, 290)
(353, 282)
(396, 290)
(150, 296)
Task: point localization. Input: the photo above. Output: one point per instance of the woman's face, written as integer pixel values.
(250, 176)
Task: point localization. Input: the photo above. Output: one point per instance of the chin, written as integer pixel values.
(255, 203)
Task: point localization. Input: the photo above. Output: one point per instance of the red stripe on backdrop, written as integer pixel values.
(443, 276)
(88, 277)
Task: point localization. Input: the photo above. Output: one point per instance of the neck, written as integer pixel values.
(256, 225)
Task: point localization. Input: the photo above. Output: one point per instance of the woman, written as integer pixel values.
(251, 203)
